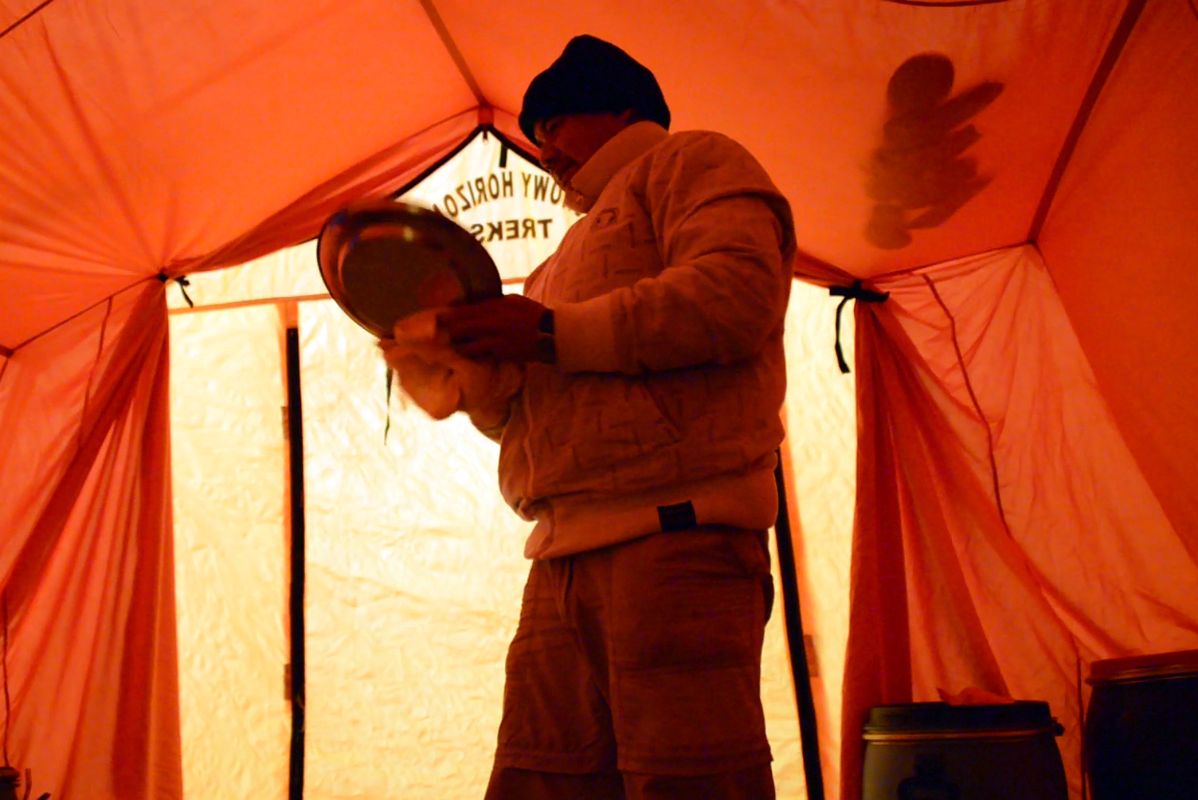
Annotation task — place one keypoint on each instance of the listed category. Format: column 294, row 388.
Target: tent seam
column 908, row 271
column 218, row 257
column 1102, row 74
column 79, row 313
column 91, row 374
column 977, row 406
column 24, row 19
column 484, row 130
column 440, row 162
column 451, row 46
column 92, row 143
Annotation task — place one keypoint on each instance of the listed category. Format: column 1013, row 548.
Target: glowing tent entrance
column 413, row 562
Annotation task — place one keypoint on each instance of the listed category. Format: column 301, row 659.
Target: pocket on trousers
column 690, row 599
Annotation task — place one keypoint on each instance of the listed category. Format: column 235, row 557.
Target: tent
column 1018, row 180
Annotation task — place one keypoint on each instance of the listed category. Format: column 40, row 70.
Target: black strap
column 183, row 284
column 855, row 292
column 387, row 427
column 678, row 517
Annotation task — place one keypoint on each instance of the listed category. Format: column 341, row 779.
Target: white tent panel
column 414, row 563
column 228, row 451
column 819, row 457
column 510, row 204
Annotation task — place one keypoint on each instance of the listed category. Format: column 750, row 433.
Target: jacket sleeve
column 726, row 241
column 490, row 419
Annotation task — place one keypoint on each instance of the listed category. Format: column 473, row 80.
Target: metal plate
column 384, row 260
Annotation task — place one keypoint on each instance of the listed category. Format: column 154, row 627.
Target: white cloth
column 440, row 381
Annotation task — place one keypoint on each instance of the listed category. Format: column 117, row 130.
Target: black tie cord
column 855, row 292
column 387, row 427
column 183, row 284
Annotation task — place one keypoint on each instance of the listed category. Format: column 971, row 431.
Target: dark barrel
column 1141, row 737
column 935, row 751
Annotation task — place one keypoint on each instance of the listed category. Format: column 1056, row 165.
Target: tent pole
column 795, row 640
column 296, row 682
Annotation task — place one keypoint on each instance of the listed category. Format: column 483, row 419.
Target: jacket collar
column 635, row 140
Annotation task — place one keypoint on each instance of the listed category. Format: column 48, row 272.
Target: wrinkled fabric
column 86, row 559
column 976, row 406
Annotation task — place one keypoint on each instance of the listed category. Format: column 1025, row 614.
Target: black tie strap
column 855, row 292
column 183, row 284
column 387, row 427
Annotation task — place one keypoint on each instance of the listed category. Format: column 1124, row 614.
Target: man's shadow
column 918, row 177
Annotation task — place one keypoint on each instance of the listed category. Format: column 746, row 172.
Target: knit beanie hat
column 592, row 75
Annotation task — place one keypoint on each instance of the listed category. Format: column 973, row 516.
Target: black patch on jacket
column 678, row 517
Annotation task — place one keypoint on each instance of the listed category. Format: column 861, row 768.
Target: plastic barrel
column 934, row 751
column 1141, row 737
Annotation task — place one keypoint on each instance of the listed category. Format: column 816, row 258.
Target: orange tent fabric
column 1026, row 397
column 1001, row 518
column 87, row 562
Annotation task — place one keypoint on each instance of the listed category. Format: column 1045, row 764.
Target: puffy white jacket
column 669, row 298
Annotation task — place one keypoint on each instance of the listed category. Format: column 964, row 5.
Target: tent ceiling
column 804, row 86
column 174, row 123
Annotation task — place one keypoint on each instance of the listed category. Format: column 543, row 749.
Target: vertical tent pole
column 795, row 640
column 295, row 448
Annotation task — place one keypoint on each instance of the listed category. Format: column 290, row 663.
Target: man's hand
column 507, row 328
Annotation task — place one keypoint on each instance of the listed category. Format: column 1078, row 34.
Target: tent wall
column 804, row 87
column 229, row 465
column 414, row 580
column 86, row 557
column 1121, row 242
column 999, row 508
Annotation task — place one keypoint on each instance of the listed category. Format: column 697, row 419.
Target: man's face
column 568, row 141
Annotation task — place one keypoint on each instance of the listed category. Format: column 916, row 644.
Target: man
column 643, row 444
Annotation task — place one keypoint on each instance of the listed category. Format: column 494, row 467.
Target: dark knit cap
column 592, row 75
